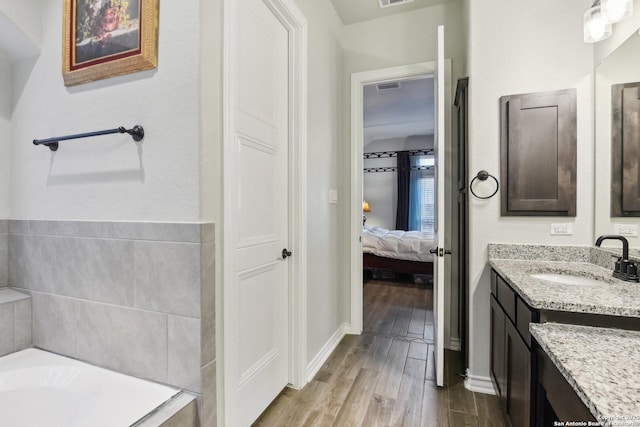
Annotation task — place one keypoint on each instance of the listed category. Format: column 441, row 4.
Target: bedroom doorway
column 436, row 74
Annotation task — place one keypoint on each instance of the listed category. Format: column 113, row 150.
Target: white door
column 438, row 270
column 256, row 350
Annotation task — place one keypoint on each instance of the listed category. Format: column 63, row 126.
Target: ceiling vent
column 388, row 3
column 390, row 85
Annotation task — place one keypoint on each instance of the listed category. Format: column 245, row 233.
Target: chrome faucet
column 624, row 269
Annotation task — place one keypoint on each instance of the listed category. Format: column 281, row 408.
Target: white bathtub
column 38, row 388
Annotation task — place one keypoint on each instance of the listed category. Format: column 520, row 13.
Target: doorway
column 358, row 82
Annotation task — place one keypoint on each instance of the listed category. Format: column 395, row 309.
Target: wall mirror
column 622, row 66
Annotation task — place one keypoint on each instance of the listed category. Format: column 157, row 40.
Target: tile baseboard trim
column 314, row 366
column 184, row 232
column 479, row 384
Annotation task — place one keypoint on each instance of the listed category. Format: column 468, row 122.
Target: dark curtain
column 404, row 177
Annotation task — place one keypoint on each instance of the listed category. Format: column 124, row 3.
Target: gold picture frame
column 108, row 38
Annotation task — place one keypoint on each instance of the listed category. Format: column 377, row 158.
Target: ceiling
column 399, row 113
column 352, row 11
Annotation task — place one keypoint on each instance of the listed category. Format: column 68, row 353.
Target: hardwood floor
column 385, row 377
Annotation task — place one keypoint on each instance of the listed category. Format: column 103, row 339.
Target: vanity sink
column 567, row 279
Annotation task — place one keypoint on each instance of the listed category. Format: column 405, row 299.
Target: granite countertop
column 612, row 296
column 602, row 365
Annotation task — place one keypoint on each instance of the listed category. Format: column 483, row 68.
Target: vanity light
column 617, row 10
column 596, row 25
column 603, row 13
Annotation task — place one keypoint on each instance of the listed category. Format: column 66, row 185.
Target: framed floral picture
column 107, row 38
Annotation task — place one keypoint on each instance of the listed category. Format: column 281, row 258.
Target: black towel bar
column 137, row 133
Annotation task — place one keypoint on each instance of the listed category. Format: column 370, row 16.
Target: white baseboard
column 314, row 366
column 479, row 384
column 454, row 344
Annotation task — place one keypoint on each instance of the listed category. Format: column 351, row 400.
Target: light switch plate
column 333, row 196
column 627, row 230
column 565, row 228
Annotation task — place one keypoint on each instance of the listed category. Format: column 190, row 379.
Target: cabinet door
column 518, row 378
column 625, row 144
column 538, row 150
column 498, row 351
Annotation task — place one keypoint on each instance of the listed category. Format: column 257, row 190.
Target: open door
column 440, row 251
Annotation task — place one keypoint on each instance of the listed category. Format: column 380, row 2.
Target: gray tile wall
column 134, row 297
column 4, row 253
column 15, row 321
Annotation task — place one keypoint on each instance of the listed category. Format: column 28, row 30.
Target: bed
column 398, row 251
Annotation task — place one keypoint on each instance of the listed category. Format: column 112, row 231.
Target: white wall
column 326, row 308
column 405, row 38
column 380, row 189
column 26, row 14
column 20, row 28
column 109, row 177
column 211, row 112
column 5, row 132
column 537, row 46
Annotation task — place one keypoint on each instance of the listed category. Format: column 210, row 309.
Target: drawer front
column 524, row 316
column 506, row 298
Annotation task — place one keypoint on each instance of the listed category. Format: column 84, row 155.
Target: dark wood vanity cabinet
column 530, row 389
column 555, row 399
column 512, row 367
column 497, row 348
column 518, row 378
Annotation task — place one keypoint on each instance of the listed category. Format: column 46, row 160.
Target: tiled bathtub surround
column 134, row 297
column 15, row 321
column 4, row 253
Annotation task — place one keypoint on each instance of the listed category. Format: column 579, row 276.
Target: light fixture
column 603, row 13
column 387, row 3
column 596, row 25
column 365, row 208
column 617, row 10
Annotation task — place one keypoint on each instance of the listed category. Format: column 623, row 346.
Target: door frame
column 358, row 81
column 296, row 25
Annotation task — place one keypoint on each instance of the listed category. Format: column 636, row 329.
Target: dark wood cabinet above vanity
column 538, row 154
column 625, row 150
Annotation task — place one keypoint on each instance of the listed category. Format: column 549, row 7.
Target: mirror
column 622, row 66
